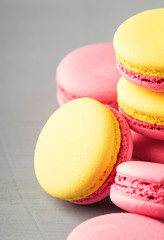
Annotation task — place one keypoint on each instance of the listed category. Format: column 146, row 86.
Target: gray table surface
column 35, row 36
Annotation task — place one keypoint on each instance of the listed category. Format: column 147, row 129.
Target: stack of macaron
column 139, row 47
column 86, row 150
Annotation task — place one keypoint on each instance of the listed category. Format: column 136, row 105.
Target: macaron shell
column 89, row 71
column 63, row 97
column 152, row 172
column 148, row 82
column 138, row 43
column 147, row 129
column 137, row 206
column 125, row 153
column 77, row 149
column 119, row 226
column 147, row 149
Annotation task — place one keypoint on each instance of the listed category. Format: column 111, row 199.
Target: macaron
column 138, row 43
column 119, row 226
column 147, row 149
column 89, row 71
column 139, row 188
column 78, row 150
column 142, row 108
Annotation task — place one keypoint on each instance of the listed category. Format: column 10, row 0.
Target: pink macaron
column 139, row 188
column 147, row 149
column 89, row 71
column 119, row 226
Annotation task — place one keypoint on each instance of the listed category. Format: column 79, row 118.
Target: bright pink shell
column 147, row 129
column 149, row 82
column 89, row 71
column 124, row 154
column 119, row 226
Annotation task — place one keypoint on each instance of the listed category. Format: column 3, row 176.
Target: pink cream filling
column 139, row 189
column 124, row 154
column 139, row 77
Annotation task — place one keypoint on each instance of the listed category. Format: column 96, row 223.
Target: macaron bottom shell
column 145, row 81
column 137, row 206
column 64, row 97
column 147, row 129
column 124, row 154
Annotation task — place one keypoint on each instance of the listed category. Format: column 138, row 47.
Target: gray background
column 35, row 36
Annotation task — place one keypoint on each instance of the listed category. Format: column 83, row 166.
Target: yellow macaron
column 139, row 46
column 142, row 108
column 77, row 150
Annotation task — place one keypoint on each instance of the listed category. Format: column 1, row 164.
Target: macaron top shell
column 119, row 226
column 140, row 103
column 90, row 71
column 77, row 149
column 139, row 44
column 148, row 171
